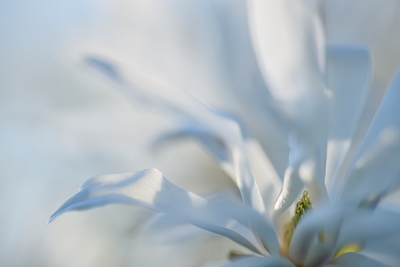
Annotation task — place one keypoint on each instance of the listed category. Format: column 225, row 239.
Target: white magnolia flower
column 318, row 93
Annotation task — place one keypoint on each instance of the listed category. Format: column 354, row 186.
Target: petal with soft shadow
column 163, row 96
column 288, row 39
column 289, row 42
column 264, row 172
column 325, row 220
column 368, row 225
column 306, row 168
column 355, row 260
column 376, row 168
column 386, row 250
column 254, row 261
column 150, row 189
column 347, row 77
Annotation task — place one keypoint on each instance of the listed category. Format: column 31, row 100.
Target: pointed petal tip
column 103, row 65
column 51, row 219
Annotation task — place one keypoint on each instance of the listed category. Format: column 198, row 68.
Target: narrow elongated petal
column 205, row 135
column 263, row 230
column 150, row 189
column 289, row 42
column 264, row 173
column 376, row 167
column 288, row 39
column 305, row 168
column 161, row 95
column 253, row 261
column 347, row 77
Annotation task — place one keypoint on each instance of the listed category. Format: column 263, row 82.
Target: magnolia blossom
column 325, row 210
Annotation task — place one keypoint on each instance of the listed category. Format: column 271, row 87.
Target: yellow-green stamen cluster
column 302, row 207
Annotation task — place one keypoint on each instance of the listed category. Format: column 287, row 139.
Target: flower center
column 302, row 206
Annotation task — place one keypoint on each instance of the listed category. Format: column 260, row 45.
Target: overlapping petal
column 255, row 261
column 289, row 41
column 375, row 168
column 369, row 225
column 306, row 246
column 347, row 77
column 203, row 123
column 386, row 250
column 355, row 260
column 150, row 189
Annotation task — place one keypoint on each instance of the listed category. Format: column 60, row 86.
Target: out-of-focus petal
column 376, row 168
column 264, row 173
column 163, row 96
column 255, row 261
column 355, row 260
column 347, row 76
column 150, row 189
column 386, row 251
column 213, row 143
column 261, row 229
column 368, row 225
column 288, row 39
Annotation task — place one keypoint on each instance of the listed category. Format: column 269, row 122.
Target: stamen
column 302, row 207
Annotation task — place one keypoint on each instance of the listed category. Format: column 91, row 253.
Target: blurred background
column 60, row 124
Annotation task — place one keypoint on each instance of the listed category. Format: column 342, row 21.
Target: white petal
column 326, row 218
column 163, row 96
column 150, row 189
column 262, row 229
column 368, row 225
column 247, row 261
column 386, row 251
column 355, row 260
column 264, row 172
column 347, row 74
column 292, row 186
column 288, row 40
column 375, row 168
column 217, row 147
column 306, row 167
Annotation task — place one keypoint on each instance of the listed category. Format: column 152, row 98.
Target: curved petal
column 347, row 77
column 150, row 189
column 355, row 260
column 325, row 220
column 306, row 167
column 254, row 261
column 161, row 95
column 386, row 251
column 213, row 143
column 375, row 168
column 369, row 225
column 288, row 39
column 264, row 173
